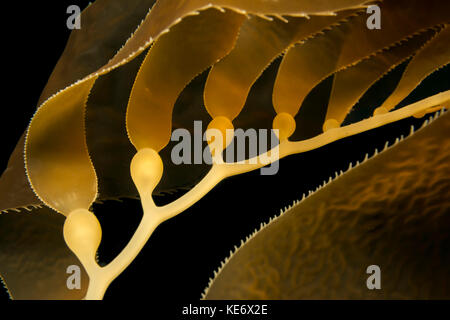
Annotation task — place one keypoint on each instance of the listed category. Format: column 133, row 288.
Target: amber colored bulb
column 285, row 124
column 83, row 234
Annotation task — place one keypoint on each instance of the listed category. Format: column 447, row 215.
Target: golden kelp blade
column 288, row 7
column 433, row 56
column 34, row 258
column 230, row 80
column 85, row 57
column 176, row 58
column 57, row 160
column 350, row 84
column 166, row 13
column 105, row 28
column 260, row 42
column 320, row 248
column 307, row 64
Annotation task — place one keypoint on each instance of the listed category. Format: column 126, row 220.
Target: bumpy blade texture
column 321, row 247
column 34, row 258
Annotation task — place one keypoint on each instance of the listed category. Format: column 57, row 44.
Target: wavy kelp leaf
column 260, row 42
column 106, row 25
column 190, row 47
column 350, row 84
column 105, row 28
column 167, row 13
column 431, row 57
column 107, row 140
column 289, row 7
column 34, row 257
column 307, row 64
column 320, row 248
column 15, row 190
column 57, row 160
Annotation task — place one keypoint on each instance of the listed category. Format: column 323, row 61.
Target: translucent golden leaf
column 57, row 160
column 165, row 14
column 190, row 47
column 307, row 64
column 260, row 42
column 431, row 57
column 105, row 30
column 350, row 84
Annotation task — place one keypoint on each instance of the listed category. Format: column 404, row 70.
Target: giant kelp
column 79, row 145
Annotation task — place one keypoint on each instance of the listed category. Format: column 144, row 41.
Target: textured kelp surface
column 391, row 211
column 34, row 257
column 81, row 117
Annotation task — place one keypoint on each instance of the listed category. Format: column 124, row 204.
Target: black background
column 182, row 254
